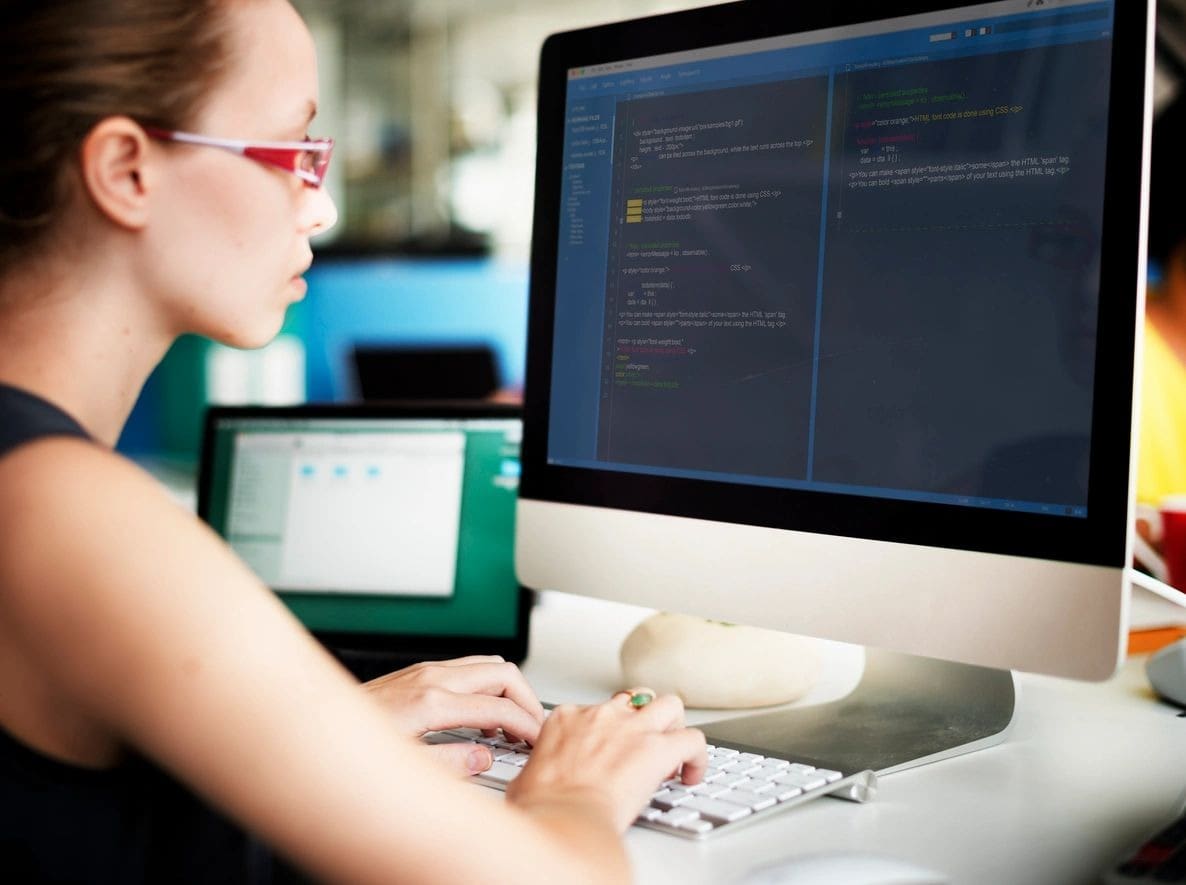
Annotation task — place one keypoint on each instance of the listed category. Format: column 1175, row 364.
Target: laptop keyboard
column 738, row 787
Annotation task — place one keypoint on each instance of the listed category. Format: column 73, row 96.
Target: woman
column 135, row 649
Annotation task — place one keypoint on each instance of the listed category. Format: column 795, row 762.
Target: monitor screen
column 836, row 307
column 372, row 522
column 902, row 257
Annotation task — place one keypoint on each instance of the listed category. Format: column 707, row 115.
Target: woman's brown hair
column 65, row 65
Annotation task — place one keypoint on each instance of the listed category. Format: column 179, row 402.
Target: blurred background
column 421, row 288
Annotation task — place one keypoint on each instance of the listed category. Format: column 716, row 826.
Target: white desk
column 1087, row 771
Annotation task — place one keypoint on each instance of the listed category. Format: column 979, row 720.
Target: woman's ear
column 114, row 158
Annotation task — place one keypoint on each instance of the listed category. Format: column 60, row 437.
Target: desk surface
column 1088, row 770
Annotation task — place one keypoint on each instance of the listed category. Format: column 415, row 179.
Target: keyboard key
column 768, row 771
column 667, row 799
column 740, row 767
column 783, row 792
column 733, row 780
column 678, row 816
column 803, row 781
column 715, row 810
column 712, row 791
column 502, row 772
column 699, row 825
column 752, row 801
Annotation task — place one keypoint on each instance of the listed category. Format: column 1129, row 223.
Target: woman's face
column 227, row 251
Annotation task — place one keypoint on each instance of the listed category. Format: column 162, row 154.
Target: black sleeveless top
column 66, row 823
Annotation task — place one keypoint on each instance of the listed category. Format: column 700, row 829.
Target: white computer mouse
column 1167, row 672
column 843, row 868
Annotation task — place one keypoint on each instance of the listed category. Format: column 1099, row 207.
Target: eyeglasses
column 308, row 159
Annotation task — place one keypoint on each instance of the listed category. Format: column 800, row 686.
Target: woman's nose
column 318, row 213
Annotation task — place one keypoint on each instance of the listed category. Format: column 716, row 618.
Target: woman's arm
column 152, row 626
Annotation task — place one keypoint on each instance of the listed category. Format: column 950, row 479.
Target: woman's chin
column 251, row 337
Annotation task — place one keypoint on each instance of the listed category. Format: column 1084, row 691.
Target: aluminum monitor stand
column 906, row 711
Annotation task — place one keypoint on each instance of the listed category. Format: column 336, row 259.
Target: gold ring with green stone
column 640, row 697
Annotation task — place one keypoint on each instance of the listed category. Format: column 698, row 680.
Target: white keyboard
column 738, row 787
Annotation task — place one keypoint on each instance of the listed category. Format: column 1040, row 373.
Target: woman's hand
column 480, row 691
column 612, row 755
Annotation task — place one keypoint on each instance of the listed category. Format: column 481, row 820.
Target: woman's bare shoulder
column 49, row 459
column 63, row 496
column 60, row 480
column 135, row 609
column 96, row 555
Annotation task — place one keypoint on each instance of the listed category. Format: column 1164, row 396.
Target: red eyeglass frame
column 286, row 155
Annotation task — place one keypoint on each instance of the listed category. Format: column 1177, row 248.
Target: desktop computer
column 832, row 326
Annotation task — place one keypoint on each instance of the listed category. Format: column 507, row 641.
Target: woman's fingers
column 615, row 749
column 498, row 679
column 481, row 675
column 416, row 694
column 446, row 709
column 464, row 758
column 690, row 746
column 662, row 714
column 464, row 661
column 665, row 714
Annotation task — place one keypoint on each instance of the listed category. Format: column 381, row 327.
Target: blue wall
column 409, row 302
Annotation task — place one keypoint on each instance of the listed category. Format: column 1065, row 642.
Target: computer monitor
column 387, row 372
column 833, row 316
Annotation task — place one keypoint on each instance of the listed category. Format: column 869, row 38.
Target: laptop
column 387, row 529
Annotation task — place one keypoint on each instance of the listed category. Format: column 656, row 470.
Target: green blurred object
column 166, row 423
column 183, row 397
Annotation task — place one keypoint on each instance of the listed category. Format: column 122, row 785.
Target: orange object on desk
column 1150, row 640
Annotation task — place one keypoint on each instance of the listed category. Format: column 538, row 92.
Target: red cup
column 1167, row 531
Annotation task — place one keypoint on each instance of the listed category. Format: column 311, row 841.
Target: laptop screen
column 371, row 523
